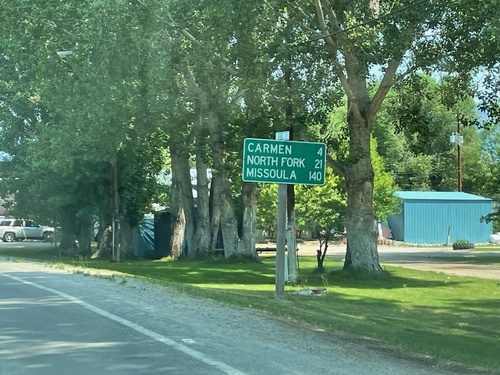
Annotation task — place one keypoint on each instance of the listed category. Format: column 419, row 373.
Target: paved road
column 57, row 322
column 44, row 330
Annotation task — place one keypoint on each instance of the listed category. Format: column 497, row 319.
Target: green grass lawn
column 449, row 318
column 486, row 248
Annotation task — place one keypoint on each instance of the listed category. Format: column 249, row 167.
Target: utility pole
column 457, row 139
column 459, row 156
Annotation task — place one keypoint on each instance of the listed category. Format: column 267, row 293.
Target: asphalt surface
column 59, row 322
column 56, row 321
column 45, row 330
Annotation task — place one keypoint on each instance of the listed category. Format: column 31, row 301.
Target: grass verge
column 451, row 319
column 489, row 247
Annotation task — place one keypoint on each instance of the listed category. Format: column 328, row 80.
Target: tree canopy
column 97, row 99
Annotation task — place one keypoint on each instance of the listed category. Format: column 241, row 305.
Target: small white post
column 281, row 230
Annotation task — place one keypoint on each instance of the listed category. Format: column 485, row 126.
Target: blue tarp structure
column 151, row 238
column 143, row 239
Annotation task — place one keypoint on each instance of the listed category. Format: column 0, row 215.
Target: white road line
column 136, row 327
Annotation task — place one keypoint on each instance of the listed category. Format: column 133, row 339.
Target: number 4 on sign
column 320, row 152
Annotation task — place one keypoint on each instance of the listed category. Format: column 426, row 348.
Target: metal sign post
column 283, row 162
column 280, row 242
column 281, row 230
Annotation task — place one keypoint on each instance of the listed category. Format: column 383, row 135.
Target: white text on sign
column 289, row 162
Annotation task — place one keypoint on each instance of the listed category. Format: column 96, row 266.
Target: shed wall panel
column 428, row 221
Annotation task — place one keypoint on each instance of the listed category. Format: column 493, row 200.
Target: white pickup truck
column 20, row 229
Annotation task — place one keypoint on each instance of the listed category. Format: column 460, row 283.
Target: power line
column 372, row 20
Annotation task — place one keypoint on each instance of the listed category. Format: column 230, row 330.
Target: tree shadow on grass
column 206, row 272
column 434, row 326
column 221, row 271
column 387, row 279
column 475, row 305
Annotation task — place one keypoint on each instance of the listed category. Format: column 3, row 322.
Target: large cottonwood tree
column 88, row 111
column 366, row 37
column 223, row 68
column 224, row 57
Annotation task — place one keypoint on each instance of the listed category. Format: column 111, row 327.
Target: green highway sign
column 284, row 162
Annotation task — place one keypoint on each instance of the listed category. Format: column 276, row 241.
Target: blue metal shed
column 429, row 217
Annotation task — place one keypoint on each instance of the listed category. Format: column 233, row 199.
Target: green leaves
column 65, row 118
column 321, row 208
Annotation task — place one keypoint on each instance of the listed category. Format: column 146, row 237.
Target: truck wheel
column 47, row 236
column 9, row 237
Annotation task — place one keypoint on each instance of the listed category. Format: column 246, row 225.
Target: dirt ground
column 421, row 258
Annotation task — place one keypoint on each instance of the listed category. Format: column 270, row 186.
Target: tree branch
column 196, row 42
column 322, row 24
column 384, row 87
column 389, row 77
column 339, row 68
column 240, row 93
column 193, row 87
column 337, row 167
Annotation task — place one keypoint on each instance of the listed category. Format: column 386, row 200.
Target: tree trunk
column 85, row 234
column 115, row 242
column 228, row 222
column 125, row 240
column 321, row 252
column 178, row 219
column 202, row 230
column 105, row 243
column 353, row 69
column 68, row 244
column 250, row 195
column 104, row 225
column 223, row 203
column 181, row 182
column 214, row 217
column 202, row 234
column 361, row 223
column 178, row 229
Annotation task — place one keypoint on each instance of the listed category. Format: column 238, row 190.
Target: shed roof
column 439, row 195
